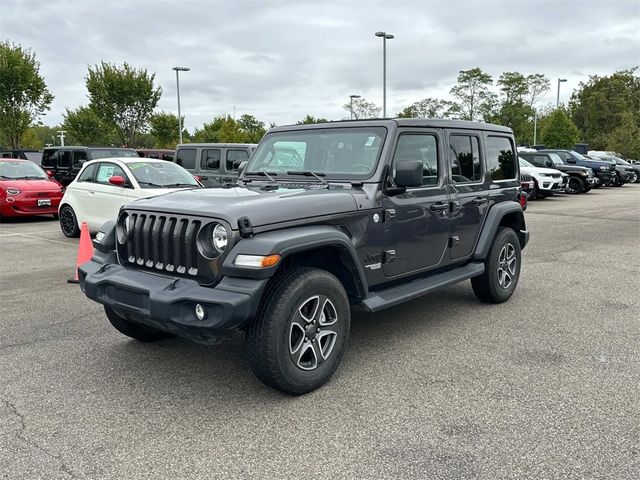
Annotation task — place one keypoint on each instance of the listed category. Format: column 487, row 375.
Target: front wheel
column 69, row 222
column 576, row 185
column 502, row 269
column 299, row 336
column 633, row 178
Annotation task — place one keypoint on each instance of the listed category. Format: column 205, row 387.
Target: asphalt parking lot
column 544, row 386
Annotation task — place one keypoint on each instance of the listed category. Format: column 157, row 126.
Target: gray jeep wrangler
column 323, row 219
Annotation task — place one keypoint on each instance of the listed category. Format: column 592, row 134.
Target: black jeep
column 365, row 215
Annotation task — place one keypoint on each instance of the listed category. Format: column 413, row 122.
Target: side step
column 390, row 297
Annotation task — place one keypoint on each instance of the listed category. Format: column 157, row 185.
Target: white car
column 105, row 185
column 546, row 180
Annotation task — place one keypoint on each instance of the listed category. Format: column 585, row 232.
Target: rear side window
column 48, row 159
column 88, row 173
column 421, row 147
column 79, row 157
column 235, row 158
column 186, row 158
column 501, row 160
column 211, row 159
column 465, row 159
column 64, row 158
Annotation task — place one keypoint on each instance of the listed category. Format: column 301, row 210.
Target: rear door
column 64, row 172
column 417, row 221
column 186, row 158
column 211, row 172
column 469, row 191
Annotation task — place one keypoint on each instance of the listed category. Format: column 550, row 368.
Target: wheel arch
column 505, row 214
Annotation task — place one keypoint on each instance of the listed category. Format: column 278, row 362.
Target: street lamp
column 351, row 97
column 385, row 36
column 560, row 80
column 61, row 136
column 179, row 69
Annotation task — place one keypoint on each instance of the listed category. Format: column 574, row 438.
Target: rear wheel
column 299, row 336
column 135, row 330
column 502, row 269
column 69, row 222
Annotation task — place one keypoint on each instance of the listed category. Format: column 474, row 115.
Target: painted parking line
column 18, row 233
column 38, row 238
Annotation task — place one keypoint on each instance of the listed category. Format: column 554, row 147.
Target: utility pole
column 61, row 136
column 560, row 80
column 385, row 36
column 351, row 97
column 179, row 69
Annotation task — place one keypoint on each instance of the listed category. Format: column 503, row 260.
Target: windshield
column 35, row 157
column 338, row 153
column 112, row 153
column 555, row 158
column 21, row 170
column 577, row 156
column 622, row 162
column 161, row 175
column 524, row 163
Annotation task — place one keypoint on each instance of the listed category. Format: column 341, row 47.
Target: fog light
column 200, row 312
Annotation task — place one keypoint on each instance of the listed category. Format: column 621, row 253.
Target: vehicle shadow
column 29, row 219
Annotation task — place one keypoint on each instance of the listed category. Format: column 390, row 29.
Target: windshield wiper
column 318, row 176
column 29, row 177
column 264, row 174
column 151, row 184
column 172, row 185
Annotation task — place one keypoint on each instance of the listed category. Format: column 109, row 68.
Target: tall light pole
column 385, row 36
column 179, row 69
column 560, row 80
column 61, row 136
column 351, row 97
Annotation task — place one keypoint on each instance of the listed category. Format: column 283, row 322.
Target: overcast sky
column 280, row 60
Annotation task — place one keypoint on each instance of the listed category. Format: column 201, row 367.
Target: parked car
column 623, row 173
column 25, row 189
column 580, row 180
column 526, row 183
column 159, row 153
column 546, row 181
column 34, row 156
column 103, row 186
column 371, row 218
column 605, row 170
column 630, row 172
column 213, row 163
column 64, row 163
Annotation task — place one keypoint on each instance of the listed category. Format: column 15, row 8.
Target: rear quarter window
column 501, row 159
column 186, row 158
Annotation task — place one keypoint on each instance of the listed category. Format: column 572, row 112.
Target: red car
column 25, row 189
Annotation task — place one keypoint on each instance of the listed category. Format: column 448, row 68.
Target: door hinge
column 389, row 214
column 389, row 256
column 454, row 241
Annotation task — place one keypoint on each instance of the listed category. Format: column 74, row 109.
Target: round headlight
column 127, row 225
column 220, row 238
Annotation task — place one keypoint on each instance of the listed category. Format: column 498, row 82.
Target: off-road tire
column 69, row 222
column 486, row 286
column 269, row 335
column 141, row 333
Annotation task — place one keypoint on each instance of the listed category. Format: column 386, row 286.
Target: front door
column 210, row 167
column 107, row 199
column 233, row 158
column 417, row 221
column 469, row 191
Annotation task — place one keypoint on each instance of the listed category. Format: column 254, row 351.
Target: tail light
column 522, row 200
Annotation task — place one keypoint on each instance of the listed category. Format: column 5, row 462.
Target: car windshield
column 21, row 170
column 112, row 153
column 161, row 175
column 577, row 156
column 555, row 158
column 35, row 157
column 335, row 153
column 524, row 163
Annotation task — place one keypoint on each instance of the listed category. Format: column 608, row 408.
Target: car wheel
column 502, row 269
column 633, row 178
column 69, row 222
column 135, row 330
column 299, row 336
column 534, row 191
column 576, row 185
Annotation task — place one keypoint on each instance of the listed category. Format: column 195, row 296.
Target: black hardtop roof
column 401, row 122
column 82, row 147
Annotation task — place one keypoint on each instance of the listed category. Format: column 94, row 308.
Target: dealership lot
column 546, row 385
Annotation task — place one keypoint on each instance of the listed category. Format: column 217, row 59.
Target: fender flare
column 490, row 227
column 290, row 241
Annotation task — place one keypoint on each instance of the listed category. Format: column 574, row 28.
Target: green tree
column 252, row 128
column 537, row 85
column 309, row 119
column 625, row 138
column 559, row 131
column 362, row 109
column 24, row 95
column 472, row 91
column 209, row 131
column 123, row 97
column 599, row 106
column 87, row 128
column 165, row 129
column 428, row 108
column 230, row 132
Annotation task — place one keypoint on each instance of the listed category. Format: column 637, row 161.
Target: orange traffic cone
column 85, row 250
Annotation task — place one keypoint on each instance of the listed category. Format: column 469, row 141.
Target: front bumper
column 22, row 206
column 168, row 303
column 604, row 177
column 550, row 184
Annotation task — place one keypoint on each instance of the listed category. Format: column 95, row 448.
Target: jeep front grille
column 166, row 243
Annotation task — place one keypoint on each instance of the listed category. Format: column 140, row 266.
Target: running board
column 390, row 297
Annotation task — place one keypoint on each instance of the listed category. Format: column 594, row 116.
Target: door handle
column 91, row 192
column 438, row 207
column 480, row 201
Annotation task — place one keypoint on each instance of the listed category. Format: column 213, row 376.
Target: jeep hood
column 262, row 206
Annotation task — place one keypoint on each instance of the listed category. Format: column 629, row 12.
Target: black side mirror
column 408, row 173
column 571, row 160
column 242, row 166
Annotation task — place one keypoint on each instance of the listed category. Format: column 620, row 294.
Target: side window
column 464, row 154
column 211, row 159
column 501, row 160
column 186, row 158
column 64, row 158
column 421, row 147
column 235, row 158
column 48, row 159
column 107, row 170
column 79, row 157
column 539, row 160
column 88, row 173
